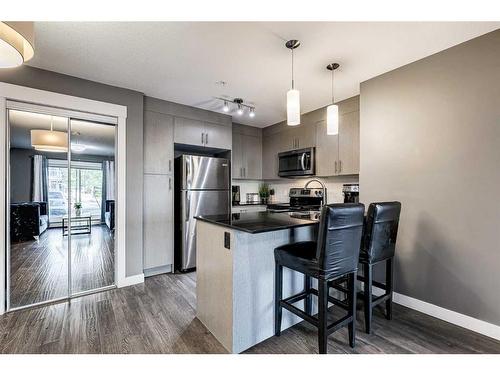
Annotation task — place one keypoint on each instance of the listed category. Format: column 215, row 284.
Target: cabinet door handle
column 206, row 138
column 241, row 172
column 170, row 183
column 340, row 166
column 244, row 172
column 170, row 165
column 202, row 141
column 335, row 166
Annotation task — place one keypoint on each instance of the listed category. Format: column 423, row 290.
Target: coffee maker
column 235, row 194
column 351, row 193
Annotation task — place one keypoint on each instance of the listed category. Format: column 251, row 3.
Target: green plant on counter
column 264, row 191
column 77, row 205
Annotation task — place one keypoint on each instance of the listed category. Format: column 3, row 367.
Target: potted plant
column 78, row 208
column 264, row 192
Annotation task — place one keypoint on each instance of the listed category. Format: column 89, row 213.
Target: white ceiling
column 99, row 139
column 182, row 61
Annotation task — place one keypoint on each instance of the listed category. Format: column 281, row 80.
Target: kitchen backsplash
column 281, row 187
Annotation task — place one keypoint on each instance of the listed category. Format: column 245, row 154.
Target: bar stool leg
column 389, row 282
column 322, row 315
column 367, row 270
column 278, row 296
column 352, row 309
column 308, row 299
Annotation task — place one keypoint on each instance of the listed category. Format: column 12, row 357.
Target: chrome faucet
column 323, row 188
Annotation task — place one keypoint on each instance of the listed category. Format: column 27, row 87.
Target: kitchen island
column 235, row 273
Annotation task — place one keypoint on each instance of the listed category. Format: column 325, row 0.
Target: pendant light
column 292, row 96
column 332, row 111
column 16, row 43
column 49, row 140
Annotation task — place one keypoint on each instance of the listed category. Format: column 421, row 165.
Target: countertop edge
column 253, row 231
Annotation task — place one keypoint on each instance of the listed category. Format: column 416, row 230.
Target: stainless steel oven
column 296, row 163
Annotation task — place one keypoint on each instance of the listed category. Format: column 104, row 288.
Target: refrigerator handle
column 188, row 206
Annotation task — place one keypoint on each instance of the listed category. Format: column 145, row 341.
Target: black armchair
column 109, row 214
column 28, row 220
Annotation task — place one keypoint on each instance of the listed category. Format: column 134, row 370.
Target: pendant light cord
column 292, row 71
column 333, row 102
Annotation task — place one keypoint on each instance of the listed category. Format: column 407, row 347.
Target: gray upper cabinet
column 349, row 143
column 158, row 143
column 189, row 132
column 252, row 157
column 326, row 151
column 246, row 153
column 202, row 133
column 270, row 149
column 218, row 136
column 335, row 154
column 237, row 156
column 339, row 154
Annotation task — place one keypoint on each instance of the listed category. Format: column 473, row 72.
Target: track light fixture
column 240, row 106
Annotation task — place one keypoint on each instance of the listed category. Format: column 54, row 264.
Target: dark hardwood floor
column 39, row 270
column 159, row 317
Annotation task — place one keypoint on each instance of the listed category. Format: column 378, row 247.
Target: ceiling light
column 49, row 140
column 16, row 43
column 226, row 106
column 252, row 113
column 239, row 102
column 292, row 96
column 332, row 111
column 240, row 110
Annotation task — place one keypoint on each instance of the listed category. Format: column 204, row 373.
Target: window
column 86, row 188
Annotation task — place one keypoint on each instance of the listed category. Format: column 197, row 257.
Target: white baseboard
column 453, row 317
column 130, row 280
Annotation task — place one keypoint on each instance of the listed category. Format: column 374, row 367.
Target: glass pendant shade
column 332, row 119
column 16, row 43
column 49, row 140
column 293, row 107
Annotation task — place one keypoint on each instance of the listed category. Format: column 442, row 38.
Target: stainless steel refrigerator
column 203, row 188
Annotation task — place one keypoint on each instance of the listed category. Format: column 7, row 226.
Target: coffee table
column 79, row 225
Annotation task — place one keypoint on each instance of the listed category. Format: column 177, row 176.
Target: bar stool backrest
column 339, row 238
column 382, row 221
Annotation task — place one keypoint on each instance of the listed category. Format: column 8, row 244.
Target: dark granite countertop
column 248, row 204
column 259, row 222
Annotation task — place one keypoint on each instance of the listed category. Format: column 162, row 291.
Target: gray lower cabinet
column 158, row 240
column 201, row 133
column 158, row 143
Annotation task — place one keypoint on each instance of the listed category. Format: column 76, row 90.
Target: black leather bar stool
column 334, row 255
column 378, row 245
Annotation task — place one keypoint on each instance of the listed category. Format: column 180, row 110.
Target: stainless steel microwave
column 296, row 163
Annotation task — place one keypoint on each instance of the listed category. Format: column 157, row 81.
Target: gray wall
column 430, row 138
column 21, row 170
column 133, row 100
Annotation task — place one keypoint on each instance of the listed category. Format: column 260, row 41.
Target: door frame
column 68, row 103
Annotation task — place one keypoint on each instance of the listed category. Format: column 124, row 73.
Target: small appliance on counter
column 253, row 198
column 235, row 194
column 351, row 193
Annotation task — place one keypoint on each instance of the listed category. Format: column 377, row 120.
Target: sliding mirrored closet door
column 38, row 253
column 93, row 205
column 61, row 207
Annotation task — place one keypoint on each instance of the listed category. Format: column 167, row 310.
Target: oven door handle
column 303, row 161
